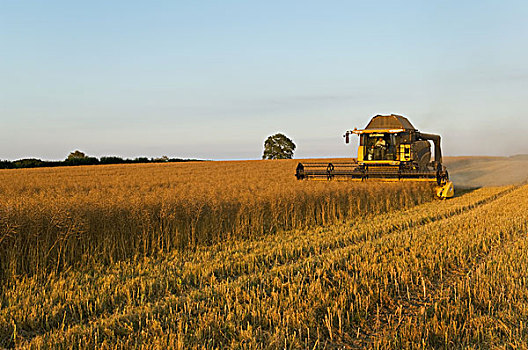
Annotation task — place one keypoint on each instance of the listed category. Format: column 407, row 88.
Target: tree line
column 80, row 158
column 277, row 146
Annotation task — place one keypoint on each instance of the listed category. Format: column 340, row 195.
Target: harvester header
column 390, row 149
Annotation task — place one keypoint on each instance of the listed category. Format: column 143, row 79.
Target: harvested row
column 482, row 302
column 54, row 219
column 207, row 282
column 334, row 296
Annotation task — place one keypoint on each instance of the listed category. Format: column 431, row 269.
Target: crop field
column 51, row 219
column 241, row 255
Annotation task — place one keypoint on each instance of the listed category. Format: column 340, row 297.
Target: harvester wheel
column 299, row 172
column 329, row 171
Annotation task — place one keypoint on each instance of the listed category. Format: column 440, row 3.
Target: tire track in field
column 233, row 279
column 412, row 309
column 271, row 257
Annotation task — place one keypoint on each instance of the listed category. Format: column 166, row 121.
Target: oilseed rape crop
column 241, row 255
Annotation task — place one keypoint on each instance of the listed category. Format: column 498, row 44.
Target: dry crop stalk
column 61, row 216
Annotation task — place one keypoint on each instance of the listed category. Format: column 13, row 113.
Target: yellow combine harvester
column 390, row 149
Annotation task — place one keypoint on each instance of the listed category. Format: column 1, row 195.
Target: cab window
column 380, row 147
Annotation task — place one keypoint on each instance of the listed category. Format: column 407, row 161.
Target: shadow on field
column 462, row 190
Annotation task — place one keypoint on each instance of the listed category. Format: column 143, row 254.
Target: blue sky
column 213, row 79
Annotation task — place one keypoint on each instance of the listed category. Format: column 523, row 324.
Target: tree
column 160, row 159
column 111, row 160
column 79, row 158
column 278, row 146
column 76, row 155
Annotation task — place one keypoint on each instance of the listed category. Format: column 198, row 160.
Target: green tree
column 161, row 159
column 79, row 158
column 76, row 155
column 278, row 146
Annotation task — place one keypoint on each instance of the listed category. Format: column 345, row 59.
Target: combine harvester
column 390, row 149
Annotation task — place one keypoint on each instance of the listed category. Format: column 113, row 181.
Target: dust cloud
column 487, row 171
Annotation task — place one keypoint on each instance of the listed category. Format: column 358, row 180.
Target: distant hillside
column 487, row 171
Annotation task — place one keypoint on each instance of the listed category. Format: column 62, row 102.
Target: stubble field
column 241, row 255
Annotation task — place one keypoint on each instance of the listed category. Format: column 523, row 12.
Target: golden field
column 242, row 255
column 53, row 218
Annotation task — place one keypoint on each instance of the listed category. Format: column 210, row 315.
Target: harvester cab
column 390, row 149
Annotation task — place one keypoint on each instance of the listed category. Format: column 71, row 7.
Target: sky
column 213, row 79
